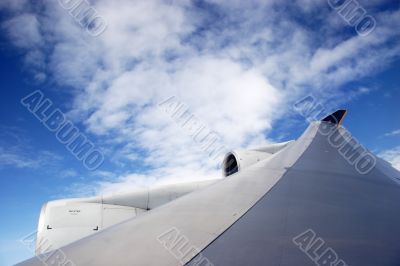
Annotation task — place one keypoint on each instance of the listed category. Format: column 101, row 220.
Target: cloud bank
column 237, row 65
column 392, row 156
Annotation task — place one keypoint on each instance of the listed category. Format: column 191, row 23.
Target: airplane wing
column 322, row 199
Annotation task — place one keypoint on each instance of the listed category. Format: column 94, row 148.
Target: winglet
column 336, row 117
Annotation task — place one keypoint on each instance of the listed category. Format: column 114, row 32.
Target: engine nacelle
column 62, row 222
column 238, row 160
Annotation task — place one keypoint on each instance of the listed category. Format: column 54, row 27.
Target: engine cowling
column 62, row 222
column 238, row 160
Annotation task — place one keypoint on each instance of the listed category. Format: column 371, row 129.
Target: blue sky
column 238, row 67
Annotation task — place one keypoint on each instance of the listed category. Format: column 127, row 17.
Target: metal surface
column 62, row 222
column 251, row 217
column 356, row 215
column 200, row 216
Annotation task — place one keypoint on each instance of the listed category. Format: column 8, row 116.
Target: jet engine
column 238, row 160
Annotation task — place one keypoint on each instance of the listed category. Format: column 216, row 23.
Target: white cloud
column 392, row 156
column 67, row 173
column 24, row 31
column 10, row 158
column 16, row 151
column 22, row 158
column 393, row 133
column 14, row 5
column 237, row 66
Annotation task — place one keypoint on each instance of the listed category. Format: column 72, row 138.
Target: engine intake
column 238, row 160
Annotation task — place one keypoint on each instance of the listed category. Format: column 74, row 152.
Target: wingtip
column 336, row 117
